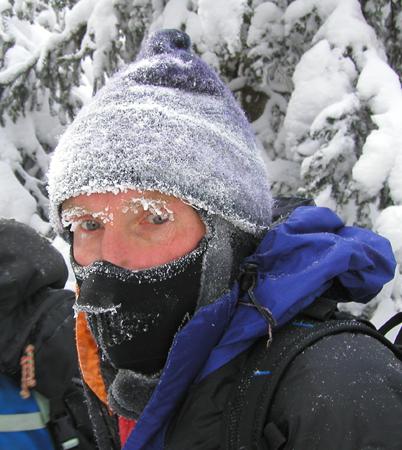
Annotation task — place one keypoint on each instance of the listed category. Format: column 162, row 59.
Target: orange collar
column 88, row 356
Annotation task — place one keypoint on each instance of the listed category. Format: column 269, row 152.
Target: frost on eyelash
column 69, row 213
column 157, row 207
column 68, row 216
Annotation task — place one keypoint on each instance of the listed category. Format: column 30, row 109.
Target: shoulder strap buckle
column 62, row 428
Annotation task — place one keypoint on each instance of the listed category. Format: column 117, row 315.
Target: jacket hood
column 28, row 263
column 296, row 262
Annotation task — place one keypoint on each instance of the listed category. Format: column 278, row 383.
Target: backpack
column 251, row 400
column 36, row 422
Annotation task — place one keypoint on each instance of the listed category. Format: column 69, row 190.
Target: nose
column 114, row 248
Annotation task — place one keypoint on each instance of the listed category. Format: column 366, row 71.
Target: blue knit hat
column 165, row 123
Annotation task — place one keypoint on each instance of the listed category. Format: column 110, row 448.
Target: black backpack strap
column 245, row 416
column 389, row 325
column 61, row 426
column 398, row 340
column 69, row 422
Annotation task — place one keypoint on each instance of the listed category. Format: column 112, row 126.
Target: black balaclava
column 134, row 315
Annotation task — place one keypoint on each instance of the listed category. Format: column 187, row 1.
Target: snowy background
column 319, row 79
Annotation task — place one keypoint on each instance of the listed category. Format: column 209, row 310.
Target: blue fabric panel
column 26, row 440
column 312, row 248
column 12, row 403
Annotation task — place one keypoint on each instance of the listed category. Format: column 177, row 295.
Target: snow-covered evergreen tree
column 319, row 79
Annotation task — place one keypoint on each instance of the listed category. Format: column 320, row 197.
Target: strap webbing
column 43, row 405
column 21, row 422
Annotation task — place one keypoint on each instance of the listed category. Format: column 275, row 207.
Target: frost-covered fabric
column 134, row 315
column 297, row 262
column 165, row 123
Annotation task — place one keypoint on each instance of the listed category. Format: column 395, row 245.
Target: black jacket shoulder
column 344, row 392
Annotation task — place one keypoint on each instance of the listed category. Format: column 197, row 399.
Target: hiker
column 41, row 395
column 186, row 268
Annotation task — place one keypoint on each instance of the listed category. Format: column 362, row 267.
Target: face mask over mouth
column 134, row 315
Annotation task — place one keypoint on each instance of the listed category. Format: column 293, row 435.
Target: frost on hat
column 166, row 123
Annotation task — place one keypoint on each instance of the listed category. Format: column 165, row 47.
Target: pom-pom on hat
column 165, row 123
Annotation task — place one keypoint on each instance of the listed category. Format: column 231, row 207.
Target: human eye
column 157, row 219
column 89, row 225
column 78, row 219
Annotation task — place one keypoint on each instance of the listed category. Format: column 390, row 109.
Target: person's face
column 134, row 230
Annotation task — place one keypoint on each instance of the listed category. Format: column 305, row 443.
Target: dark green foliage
column 385, row 16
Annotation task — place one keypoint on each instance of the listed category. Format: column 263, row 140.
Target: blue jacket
column 297, row 261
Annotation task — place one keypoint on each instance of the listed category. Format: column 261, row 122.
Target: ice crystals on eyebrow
column 104, row 216
column 70, row 217
column 156, row 207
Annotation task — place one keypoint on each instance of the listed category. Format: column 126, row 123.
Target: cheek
column 188, row 237
column 152, row 235
column 166, row 245
column 85, row 249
